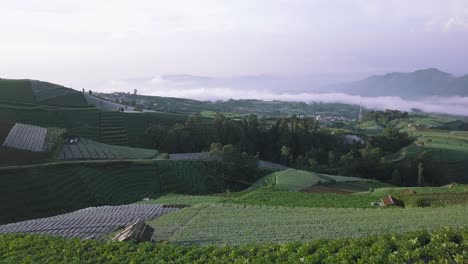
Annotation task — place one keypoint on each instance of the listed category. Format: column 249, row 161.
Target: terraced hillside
column 93, row 222
column 40, row 93
column 104, row 104
column 53, row 94
column 42, row 190
column 112, row 129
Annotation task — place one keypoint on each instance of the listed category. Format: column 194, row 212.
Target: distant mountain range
column 413, row 85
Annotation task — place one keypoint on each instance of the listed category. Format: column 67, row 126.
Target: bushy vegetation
column 383, row 118
column 440, row 246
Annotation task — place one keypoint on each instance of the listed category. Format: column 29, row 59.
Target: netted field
column 93, row 222
column 239, row 224
column 87, row 149
column 26, row 137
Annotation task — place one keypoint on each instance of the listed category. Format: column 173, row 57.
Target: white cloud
column 456, row 24
column 161, row 87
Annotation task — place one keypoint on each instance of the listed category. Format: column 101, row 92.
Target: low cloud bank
column 434, row 104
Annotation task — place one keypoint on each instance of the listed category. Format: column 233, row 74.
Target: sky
column 107, row 45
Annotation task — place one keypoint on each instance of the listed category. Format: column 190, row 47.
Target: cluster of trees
column 296, row 142
column 366, row 161
column 290, row 141
column 421, row 171
column 240, row 165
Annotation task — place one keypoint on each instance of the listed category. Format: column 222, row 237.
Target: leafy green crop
column 442, row 246
column 301, row 199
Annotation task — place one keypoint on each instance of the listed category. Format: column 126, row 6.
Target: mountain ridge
column 408, row 85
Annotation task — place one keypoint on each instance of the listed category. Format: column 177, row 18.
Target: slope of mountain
column 414, row 85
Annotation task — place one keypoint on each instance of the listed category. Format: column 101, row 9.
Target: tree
column 216, row 149
column 420, row 174
column 396, row 178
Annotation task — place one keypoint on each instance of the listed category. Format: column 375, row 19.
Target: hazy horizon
column 297, row 46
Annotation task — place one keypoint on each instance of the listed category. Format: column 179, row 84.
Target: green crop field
column 16, row 91
column 241, row 224
column 370, row 127
column 301, row 199
column 441, row 246
column 44, row 190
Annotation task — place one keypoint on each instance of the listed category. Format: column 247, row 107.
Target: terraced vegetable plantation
column 113, row 129
column 92, row 222
column 26, row 137
column 239, row 224
column 87, row 149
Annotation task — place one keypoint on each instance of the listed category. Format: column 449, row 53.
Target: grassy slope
column 295, row 180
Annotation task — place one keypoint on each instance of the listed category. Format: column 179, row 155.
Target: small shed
column 137, row 232
column 389, row 201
